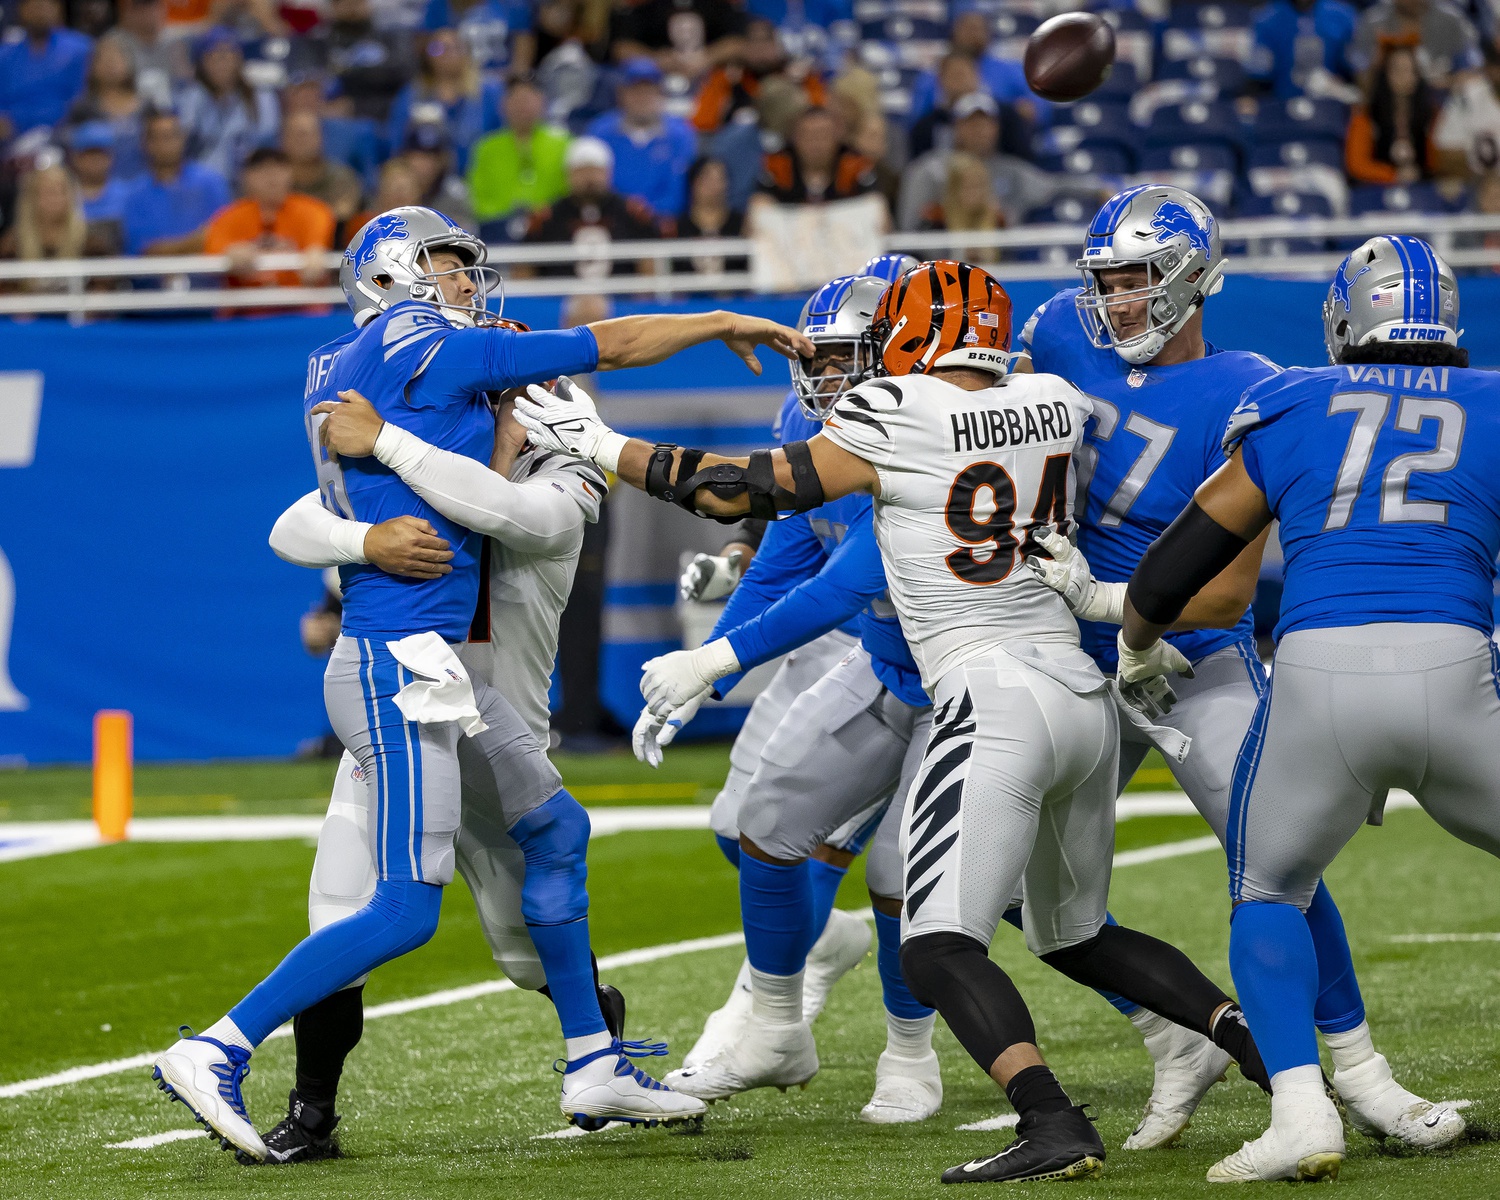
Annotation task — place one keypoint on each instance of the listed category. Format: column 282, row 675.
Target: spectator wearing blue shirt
column 652, row 151
column 1298, row 41
column 167, row 209
column 110, row 96
column 225, row 118
column 42, row 66
column 448, row 91
column 497, row 32
column 1002, row 78
column 91, row 154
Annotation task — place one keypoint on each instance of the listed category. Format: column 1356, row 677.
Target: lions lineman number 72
column 981, row 511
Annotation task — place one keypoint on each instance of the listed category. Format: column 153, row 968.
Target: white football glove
column 1152, row 697
column 1159, row 658
column 671, row 680
column 711, row 576
column 653, row 734
column 1067, row 572
column 567, row 422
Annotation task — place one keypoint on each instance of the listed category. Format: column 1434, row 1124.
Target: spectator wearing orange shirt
column 1389, row 138
column 270, row 217
column 817, row 165
column 734, row 87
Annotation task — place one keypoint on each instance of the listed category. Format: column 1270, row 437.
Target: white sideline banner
column 800, row 246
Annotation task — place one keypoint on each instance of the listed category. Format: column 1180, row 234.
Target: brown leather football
column 1069, row 56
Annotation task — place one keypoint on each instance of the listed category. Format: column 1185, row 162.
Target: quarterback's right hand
column 567, row 421
column 1159, row 658
column 653, row 734
column 408, row 546
column 711, row 576
column 1067, row 573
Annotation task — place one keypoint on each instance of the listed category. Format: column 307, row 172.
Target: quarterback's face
column 1126, row 314
column 452, row 278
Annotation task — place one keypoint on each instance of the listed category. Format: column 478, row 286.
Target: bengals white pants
column 1015, row 796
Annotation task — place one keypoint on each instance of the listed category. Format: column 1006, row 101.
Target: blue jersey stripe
column 1245, row 768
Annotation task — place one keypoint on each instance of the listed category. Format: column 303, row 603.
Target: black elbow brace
column 728, row 480
column 1180, row 564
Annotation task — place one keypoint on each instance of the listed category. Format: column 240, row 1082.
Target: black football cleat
column 1054, row 1145
column 612, row 1005
column 304, row 1135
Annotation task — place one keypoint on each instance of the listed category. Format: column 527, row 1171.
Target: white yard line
column 1003, row 1121
column 36, row 839
column 157, row 1139
column 1427, row 939
column 490, row 987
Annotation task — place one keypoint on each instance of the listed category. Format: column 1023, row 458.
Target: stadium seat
column 1214, row 188
column 1106, row 121
column 1318, row 178
column 1285, row 204
column 1135, row 40
column 1299, row 153
column 1164, row 92
column 1196, row 121
column 902, row 20
column 1008, row 23
column 1417, row 197
column 1094, row 159
column 1226, row 74
column 1191, row 156
column 1300, row 118
column 1066, row 210
column 1122, row 82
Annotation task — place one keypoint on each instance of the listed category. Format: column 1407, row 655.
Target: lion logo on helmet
column 387, row 227
column 1342, row 282
column 1173, row 218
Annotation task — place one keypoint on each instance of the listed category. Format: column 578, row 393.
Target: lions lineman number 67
column 981, row 511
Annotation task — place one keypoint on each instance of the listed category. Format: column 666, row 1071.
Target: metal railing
column 177, row 283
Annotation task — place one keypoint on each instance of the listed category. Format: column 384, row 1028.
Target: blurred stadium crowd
column 152, row 127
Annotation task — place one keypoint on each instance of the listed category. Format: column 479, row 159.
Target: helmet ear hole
column 381, row 281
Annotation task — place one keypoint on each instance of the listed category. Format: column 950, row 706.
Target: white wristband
column 607, row 455
column 716, row 659
column 1106, row 604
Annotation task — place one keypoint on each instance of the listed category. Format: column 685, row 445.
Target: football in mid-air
column 1069, row 56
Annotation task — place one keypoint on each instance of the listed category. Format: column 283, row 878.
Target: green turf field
column 107, row 950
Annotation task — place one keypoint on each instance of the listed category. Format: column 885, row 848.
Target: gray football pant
column 800, row 669
column 1214, row 708
column 1352, row 713
column 343, row 874
column 1015, row 796
column 844, row 749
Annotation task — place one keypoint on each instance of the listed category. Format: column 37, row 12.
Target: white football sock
column 226, row 1031
column 602, row 1067
column 777, row 999
column 1351, row 1048
column 739, row 996
column 1149, row 1023
column 909, row 1037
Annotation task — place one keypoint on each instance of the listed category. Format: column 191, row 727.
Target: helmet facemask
column 837, row 364
column 428, row 281
column 1176, row 285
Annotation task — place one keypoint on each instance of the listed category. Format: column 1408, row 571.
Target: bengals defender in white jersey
column 1017, row 785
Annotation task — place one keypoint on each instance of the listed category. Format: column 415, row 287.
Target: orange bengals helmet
column 943, row 314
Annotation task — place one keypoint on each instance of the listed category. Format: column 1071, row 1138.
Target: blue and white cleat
column 606, row 1086
column 206, row 1075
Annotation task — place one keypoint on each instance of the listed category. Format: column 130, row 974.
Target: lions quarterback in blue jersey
column 399, row 697
column 1132, row 339
column 1381, row 470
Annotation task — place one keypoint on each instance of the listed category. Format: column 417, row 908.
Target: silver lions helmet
column 1173, row 236
column 1391, row 289
column 390, row 260
column 836, row 319
column 890, row 267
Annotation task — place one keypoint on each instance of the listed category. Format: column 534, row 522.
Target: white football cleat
column 765, row 1055
column 606, row 1086
column 1187, row 1065
column 1305, row 1142
column 1380, row 1107
column 906, row 1090
column 724, row 1025
column 205, row 1075
column 845, row 940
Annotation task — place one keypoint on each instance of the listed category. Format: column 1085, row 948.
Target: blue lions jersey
column 1386, row 481
column 817, row 571
column 426, row 376
column 1155, row 435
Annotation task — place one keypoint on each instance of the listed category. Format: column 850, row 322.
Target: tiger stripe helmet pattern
column 943, row 314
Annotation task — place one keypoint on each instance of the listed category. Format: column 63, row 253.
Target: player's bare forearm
column 1224, row 522
column 643, row 340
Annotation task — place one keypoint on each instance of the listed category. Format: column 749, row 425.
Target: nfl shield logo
column 1136, row 378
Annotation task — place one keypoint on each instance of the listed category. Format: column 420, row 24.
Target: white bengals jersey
column 964, row 478
column 512, row 642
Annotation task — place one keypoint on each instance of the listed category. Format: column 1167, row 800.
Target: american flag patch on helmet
column 989, row 318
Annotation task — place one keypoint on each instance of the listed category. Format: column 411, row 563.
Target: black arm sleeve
column 1180, row 564
column 757, row 481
